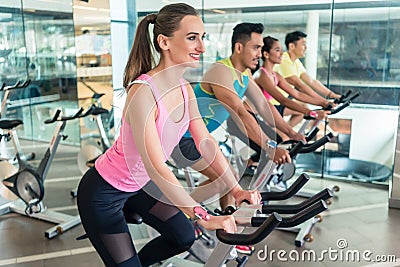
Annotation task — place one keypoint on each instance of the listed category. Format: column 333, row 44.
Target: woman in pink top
column 131, row 177
column 272, row 84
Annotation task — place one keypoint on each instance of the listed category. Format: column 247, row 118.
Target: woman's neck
column 268, row 66
column 169, row 75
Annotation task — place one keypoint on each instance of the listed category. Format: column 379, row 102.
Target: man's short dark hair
column 293, row 37
column 242, row 32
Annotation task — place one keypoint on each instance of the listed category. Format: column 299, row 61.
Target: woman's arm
column 283, row 84
column 140, row 112
column 268, row 85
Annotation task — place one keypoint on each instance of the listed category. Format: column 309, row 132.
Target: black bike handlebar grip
column 328, row 107
column 296, row 219
column 98, row 111
column 317, row 144
column 291, row 191
column 295, row 208
column 54, row 118
column 3, row 85
column 88, row 111
column 354, row 96
column 340, row 108
column 26, row 83
column 77, row 114
column 294, row 150
column 304, row 215
column 264, row 229
column 343, row 98
column 312, row 134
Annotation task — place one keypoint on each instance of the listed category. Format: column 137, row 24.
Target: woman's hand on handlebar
column 226, row 222
column 250, row 196
column 280, row 156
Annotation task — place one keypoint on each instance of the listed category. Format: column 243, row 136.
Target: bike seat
column 9, row 124
column 133, row 218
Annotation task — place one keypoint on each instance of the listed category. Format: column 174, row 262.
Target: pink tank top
column 121, row 165
column 268, row 96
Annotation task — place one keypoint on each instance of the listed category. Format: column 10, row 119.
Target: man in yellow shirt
column 293, row 70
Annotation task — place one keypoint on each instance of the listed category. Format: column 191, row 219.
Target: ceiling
column 95, row 12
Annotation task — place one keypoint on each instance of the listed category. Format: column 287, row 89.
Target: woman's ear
column 266, row 54
column 163, row 42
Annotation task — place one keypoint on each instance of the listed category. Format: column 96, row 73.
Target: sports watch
column 313, row 114
column 201, row 213
column 272, row 144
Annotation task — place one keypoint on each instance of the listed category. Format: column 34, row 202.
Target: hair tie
column 151, row 18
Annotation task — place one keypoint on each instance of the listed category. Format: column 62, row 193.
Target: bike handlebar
column 17, row 85
column 298, row 218
column 291, row 191
column 257, row 236
column 325, row 194
column 57, row 117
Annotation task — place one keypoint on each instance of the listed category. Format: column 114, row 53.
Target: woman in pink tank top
column 131, row 178
column 276, row 89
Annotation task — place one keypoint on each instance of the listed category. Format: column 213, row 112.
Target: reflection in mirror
column 37, row 45
column 94, row 72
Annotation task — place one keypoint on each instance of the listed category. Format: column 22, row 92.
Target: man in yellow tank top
column 293, row 70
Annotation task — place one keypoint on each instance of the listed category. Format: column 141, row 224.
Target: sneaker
column 248, row 250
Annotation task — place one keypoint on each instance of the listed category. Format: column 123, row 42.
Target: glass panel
column 94, row 71
column 350, row 46
column 37, row 43
column 362, row 59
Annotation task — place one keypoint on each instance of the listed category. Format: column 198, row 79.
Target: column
column 123, row 17
column 311, row 58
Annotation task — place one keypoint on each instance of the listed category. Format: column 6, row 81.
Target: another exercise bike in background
column 24, row 187
column 90, row 151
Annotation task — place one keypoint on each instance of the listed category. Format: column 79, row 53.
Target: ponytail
column 140, row 58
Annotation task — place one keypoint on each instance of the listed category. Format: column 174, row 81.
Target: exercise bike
column 267, row 170
column 4, row 154
column 258, row 217
column 89, row 152
column 288, row 169
column 27, row 183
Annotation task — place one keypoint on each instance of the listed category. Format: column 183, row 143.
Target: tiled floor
column 358, row 217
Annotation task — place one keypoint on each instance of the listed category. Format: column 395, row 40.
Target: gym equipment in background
column 27, row 183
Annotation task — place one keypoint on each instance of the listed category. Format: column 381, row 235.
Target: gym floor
column 358, row 223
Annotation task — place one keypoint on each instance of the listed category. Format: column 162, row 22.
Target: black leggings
column 235, row 130
column 101, row 208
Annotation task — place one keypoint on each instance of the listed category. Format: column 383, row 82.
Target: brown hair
column 268, row 43
column 166, row 22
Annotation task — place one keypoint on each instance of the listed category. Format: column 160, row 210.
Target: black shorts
column 185, row 154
